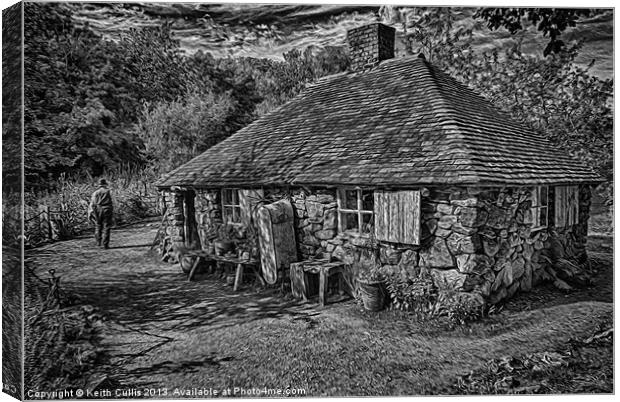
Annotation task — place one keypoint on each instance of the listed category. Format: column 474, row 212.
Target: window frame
column 237, row 215
column 359, row 211
column 537, row 207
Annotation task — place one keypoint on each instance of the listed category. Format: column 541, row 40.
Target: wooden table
column 240, row 263
column 324, row 268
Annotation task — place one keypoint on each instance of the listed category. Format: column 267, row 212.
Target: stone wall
column 316, row 222
column 473, row 239
column 515, row 257
column 175, row 223
column 448, row 239
column 208, row 212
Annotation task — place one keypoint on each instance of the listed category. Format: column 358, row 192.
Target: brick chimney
column 370, row 44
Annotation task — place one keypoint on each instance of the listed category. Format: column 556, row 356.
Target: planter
column 223, row 246
column 372, row 294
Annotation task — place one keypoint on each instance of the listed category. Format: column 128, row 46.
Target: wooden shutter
column 566, row 206
column 397, row 216
column 573, row 203
column 247, row 201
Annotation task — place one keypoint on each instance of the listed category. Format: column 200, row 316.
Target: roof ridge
column 403, row 123
column 432, row 71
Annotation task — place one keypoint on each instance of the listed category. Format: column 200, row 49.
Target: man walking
column 102, row 212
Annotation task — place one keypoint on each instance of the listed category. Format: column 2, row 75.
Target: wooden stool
column 323, row 268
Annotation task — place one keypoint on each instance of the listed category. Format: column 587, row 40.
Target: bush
column 174, row 132
column 68, row 199
column 63, row 339
column 409, row 293
column 430, row 298
column 460, row 307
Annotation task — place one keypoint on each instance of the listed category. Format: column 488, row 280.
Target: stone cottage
column 397, row 166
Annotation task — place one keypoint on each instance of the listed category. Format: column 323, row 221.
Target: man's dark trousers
column 103, row 225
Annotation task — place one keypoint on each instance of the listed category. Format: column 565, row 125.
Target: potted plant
column 371, row 289
column 225, row 239
column 248, row 248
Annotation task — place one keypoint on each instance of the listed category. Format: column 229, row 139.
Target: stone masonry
column 208, row 213
column 473, row 239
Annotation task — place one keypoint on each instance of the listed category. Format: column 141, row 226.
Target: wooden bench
column 324, row 268
column 240, row 264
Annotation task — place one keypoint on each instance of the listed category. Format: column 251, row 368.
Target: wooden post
column 323, row 280
column 238, row 277
column 44, row 221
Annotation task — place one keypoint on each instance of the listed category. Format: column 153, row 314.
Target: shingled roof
column 403, row 123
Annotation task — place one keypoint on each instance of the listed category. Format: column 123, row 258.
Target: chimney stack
column 370, row 44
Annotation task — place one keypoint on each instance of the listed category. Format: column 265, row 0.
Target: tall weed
column 68, row 198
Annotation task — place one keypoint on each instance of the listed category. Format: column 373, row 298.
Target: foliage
column 176, row 131
column 279, row 82
column 62, row 340
column 231, row 232
column 83, row 92
column 574, row 368
column 427, row 30
column 552, row 95
column 428, row 297
column 370, row 276
column 94, row 104
column 412, row 293
column 12, row 98
column 68, row 197
column 460, row 307
column 550, row 21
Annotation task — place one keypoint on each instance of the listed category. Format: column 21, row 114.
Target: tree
column 175, row 131
column 11, row 98
column 83, row 93
column 550, row 21
column 427, row 30
column 551, row 95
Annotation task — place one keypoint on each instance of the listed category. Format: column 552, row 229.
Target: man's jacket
column 101, row 200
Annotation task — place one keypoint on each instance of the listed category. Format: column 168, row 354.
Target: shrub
column 68, row 199
column 409, row 293
column 430, row 298
column 460, row 307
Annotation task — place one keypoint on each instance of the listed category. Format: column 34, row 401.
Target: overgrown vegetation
column 551, row 94
column 581, row 366
column 67, row 200
column 428, row 298
column 62, row 339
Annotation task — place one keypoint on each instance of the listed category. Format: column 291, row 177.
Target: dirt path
column 148, row 304
column 163, row 332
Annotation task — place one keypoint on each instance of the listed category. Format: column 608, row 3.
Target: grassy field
column 166, row 333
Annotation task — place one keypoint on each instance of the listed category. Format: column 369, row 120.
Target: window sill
column 357, row 239
column 351, row 233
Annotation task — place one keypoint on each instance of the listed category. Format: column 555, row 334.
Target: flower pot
column 372, row 294
column 223, row 246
